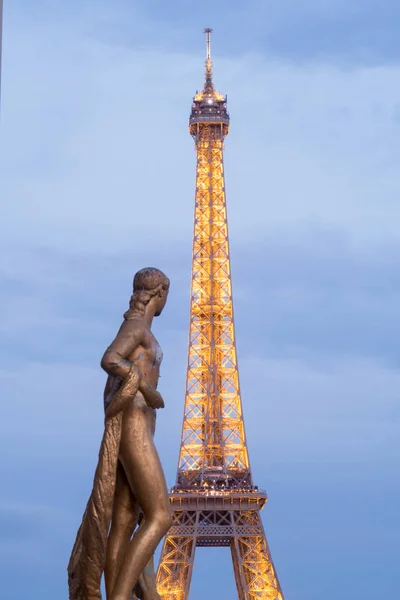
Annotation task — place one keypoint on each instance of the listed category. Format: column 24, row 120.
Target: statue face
column 161, row 301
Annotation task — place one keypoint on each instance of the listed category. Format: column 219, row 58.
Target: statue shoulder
column 133, row 327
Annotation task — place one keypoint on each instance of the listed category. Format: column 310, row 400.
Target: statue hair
column 147, row 283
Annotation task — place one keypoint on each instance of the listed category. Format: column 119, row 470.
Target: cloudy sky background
column 97, row 180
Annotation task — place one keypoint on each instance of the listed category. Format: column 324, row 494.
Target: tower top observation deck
column 209, row 106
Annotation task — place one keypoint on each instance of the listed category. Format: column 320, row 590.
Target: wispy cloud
column 313, row 145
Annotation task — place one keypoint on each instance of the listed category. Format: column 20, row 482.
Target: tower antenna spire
column 208, row 33
column 209, row 83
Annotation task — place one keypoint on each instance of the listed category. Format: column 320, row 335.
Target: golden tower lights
column 214, row 500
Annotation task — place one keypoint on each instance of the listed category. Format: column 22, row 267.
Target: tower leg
column 254, row 570
column 175, row 568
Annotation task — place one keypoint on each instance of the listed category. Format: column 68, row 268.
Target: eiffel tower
column 214, row 500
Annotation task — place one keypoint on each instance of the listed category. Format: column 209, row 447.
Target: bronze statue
column 129, row 485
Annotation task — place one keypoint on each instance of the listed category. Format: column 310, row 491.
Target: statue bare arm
column 114, row 361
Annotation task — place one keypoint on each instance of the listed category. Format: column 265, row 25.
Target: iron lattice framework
column 214, row 500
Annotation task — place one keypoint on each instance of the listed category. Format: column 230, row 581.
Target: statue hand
column 151, row 395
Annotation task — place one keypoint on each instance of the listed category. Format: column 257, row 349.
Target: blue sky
column 97, row 180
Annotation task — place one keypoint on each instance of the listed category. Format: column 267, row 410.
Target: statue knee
column 165, row 520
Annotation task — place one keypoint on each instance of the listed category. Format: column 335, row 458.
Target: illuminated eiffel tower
column 214, row 500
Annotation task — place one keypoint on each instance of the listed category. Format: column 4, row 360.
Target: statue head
column 149, row 285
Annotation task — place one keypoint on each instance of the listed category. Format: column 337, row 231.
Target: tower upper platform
column 209, row 106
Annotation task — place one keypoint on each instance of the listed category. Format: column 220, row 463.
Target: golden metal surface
column 128, row 512
column 214, row 501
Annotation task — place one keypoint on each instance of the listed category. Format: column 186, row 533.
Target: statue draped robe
column 88, row 556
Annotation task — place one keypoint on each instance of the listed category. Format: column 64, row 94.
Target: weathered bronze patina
column 128, row 512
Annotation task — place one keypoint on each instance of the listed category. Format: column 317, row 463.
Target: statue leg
column 145, row 475
column 124, row 520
